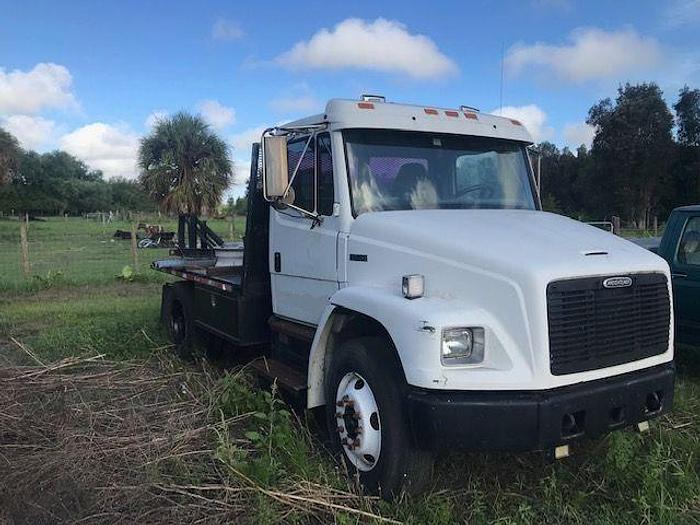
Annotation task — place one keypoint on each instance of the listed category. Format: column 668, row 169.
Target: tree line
column 57, row 183
column 184, row 167
column 643, row 162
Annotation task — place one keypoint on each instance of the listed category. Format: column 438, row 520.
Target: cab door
column 686, row 279
column 303, row 264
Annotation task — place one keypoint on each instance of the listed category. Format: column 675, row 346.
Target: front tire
column 365, row 418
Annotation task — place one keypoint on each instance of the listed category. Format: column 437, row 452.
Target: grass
column 75, row 251
column 119, row 320
column 259, row 446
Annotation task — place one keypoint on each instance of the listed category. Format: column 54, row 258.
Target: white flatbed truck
column 399, row 268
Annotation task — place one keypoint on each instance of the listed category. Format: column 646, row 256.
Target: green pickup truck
column 680, row 246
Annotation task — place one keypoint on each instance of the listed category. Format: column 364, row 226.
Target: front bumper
column 537, row 420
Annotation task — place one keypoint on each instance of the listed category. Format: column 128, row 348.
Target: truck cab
column 680, row 246
column 423, row 299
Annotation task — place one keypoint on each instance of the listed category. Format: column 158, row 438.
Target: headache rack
column 194, row 237
column 202, row 256
column 592, row 327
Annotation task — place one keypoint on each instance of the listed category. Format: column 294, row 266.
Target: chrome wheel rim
column 357, row 421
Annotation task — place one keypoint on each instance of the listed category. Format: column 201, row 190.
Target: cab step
column 287, row 378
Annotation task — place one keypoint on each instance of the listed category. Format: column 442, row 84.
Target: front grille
column 592, row 327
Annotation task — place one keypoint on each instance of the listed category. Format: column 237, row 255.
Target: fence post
column 24, row 247
column 232, row 227
column 134, row 247
column 616, row 224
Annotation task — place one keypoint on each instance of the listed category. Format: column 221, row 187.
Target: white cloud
column 300, row 104
column 577, row 133
column 382, row 45
column 243, row 141
column 241, row 171
column 216, row 114
column 154, row 117
column 591, row 54
column 241, row 144
column 32, row 132
column 45, row 86
column 532, row 117
column 225, row 29
column 682, row 12
column 112, row 149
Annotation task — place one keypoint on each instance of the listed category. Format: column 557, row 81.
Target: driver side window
column 312, row 188
column 303, row 184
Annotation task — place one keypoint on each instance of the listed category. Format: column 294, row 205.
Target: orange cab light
column 365, row 105
column 452, row 113
column 429, row 111
column 471, row 116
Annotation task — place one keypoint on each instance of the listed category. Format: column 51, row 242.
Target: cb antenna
column 503, row 51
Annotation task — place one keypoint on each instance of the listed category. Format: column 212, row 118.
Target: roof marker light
column 429, row 111
column 372, row 98
column 450, row 113
column 516, row 122
column 365, row 105
column 472, row 116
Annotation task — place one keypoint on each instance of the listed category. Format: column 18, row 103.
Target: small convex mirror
column 275, row 175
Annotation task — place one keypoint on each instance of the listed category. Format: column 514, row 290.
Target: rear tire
column 178, row 320
column 366, row 423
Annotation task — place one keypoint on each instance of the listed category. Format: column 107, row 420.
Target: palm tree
column 184, row 165
column 10, row 156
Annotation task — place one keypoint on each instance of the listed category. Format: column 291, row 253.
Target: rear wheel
column 177, row 316
column 364, row 413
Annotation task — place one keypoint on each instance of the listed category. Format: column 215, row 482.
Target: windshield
column 405, row 170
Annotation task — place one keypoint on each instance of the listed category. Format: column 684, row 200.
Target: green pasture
column 76, row 251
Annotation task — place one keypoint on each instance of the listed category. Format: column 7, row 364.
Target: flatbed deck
column 221, row 268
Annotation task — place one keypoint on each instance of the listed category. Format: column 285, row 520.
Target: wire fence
column 49, row 251
column 616, row 226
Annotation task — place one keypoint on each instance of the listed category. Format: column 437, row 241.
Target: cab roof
column 691, row 208
column 348, row 114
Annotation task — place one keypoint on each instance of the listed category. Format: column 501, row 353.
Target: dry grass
column 92, row 441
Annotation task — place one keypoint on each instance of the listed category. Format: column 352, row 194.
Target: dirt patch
column 104, row 442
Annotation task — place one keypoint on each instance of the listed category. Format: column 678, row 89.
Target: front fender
column 415, row 329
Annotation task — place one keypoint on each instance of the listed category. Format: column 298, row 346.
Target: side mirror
column 275, row 170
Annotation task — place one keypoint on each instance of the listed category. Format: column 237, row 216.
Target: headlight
column 462, row 346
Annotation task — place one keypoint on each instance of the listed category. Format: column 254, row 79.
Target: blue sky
column 90, row 76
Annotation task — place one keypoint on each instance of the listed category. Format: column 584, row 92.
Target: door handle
column 679, row 275
column 278, row 262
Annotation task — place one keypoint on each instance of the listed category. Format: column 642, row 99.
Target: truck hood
column 486, row 268
column 507, row 242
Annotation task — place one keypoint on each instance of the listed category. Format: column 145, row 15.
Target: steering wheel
column 488, row 190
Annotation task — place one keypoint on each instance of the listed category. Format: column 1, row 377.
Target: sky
column 92, row 77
